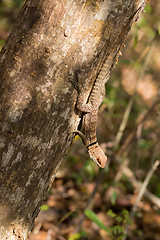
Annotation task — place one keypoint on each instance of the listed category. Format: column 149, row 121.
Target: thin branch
column 144, row 185
column 137, row 184
column 142, row 192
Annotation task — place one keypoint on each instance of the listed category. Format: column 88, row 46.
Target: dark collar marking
column 91, row 144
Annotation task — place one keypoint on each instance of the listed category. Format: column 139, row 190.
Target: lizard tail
column 97, row 155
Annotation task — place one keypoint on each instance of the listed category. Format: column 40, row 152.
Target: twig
column 152, row 198
column 68, row 214
column 142, row 192
column 138, row 185
column 144, row 185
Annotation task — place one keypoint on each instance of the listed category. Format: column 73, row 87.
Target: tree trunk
column 52, row 44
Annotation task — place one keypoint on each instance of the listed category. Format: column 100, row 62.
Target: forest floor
column 63, row 213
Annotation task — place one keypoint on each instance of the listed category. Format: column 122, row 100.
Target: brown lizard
column 88, row 129
column 90, row 109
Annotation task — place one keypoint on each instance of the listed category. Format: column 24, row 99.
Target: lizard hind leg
column 97, row 155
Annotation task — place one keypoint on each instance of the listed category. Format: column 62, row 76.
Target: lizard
column 90, row 109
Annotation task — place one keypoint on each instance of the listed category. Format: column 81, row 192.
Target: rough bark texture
column 52, row 44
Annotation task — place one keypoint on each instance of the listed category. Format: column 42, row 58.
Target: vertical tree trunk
column 52, row 44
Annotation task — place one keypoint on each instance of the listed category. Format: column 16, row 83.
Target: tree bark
column 52, row 44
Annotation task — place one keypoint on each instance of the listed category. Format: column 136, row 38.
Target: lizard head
column 97, row 155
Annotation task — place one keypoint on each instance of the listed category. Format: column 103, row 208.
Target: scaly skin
column 90, row 109
column 88, row 135
column 88, row 130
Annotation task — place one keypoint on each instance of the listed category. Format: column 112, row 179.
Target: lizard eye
column 98, row 160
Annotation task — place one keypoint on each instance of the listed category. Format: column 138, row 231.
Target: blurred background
column 121, row 201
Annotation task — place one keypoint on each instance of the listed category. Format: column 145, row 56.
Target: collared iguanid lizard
column 90, row 109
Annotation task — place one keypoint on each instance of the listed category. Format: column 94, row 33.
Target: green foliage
column 135, row 39
column 77, row 236
column 93, row 217
column 145, row 144
column 112, row 97
column 77, row 177
column 111, row 214
column 89, row 169
column 1, row 43
column 148, row 9
column 18, row 3
column 118, row 229
column 158, row 190
column 10, row 4
column 126, row 216
column 44, row 207
column 143, row 24
column 124, row 61
column 114, row 198
column 120, row 222
column 8, row 13
column 159, row 28
column 122, row 217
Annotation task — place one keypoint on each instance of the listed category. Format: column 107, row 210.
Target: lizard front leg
column 83, row 89
column 82, row 105
column 95, row 98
